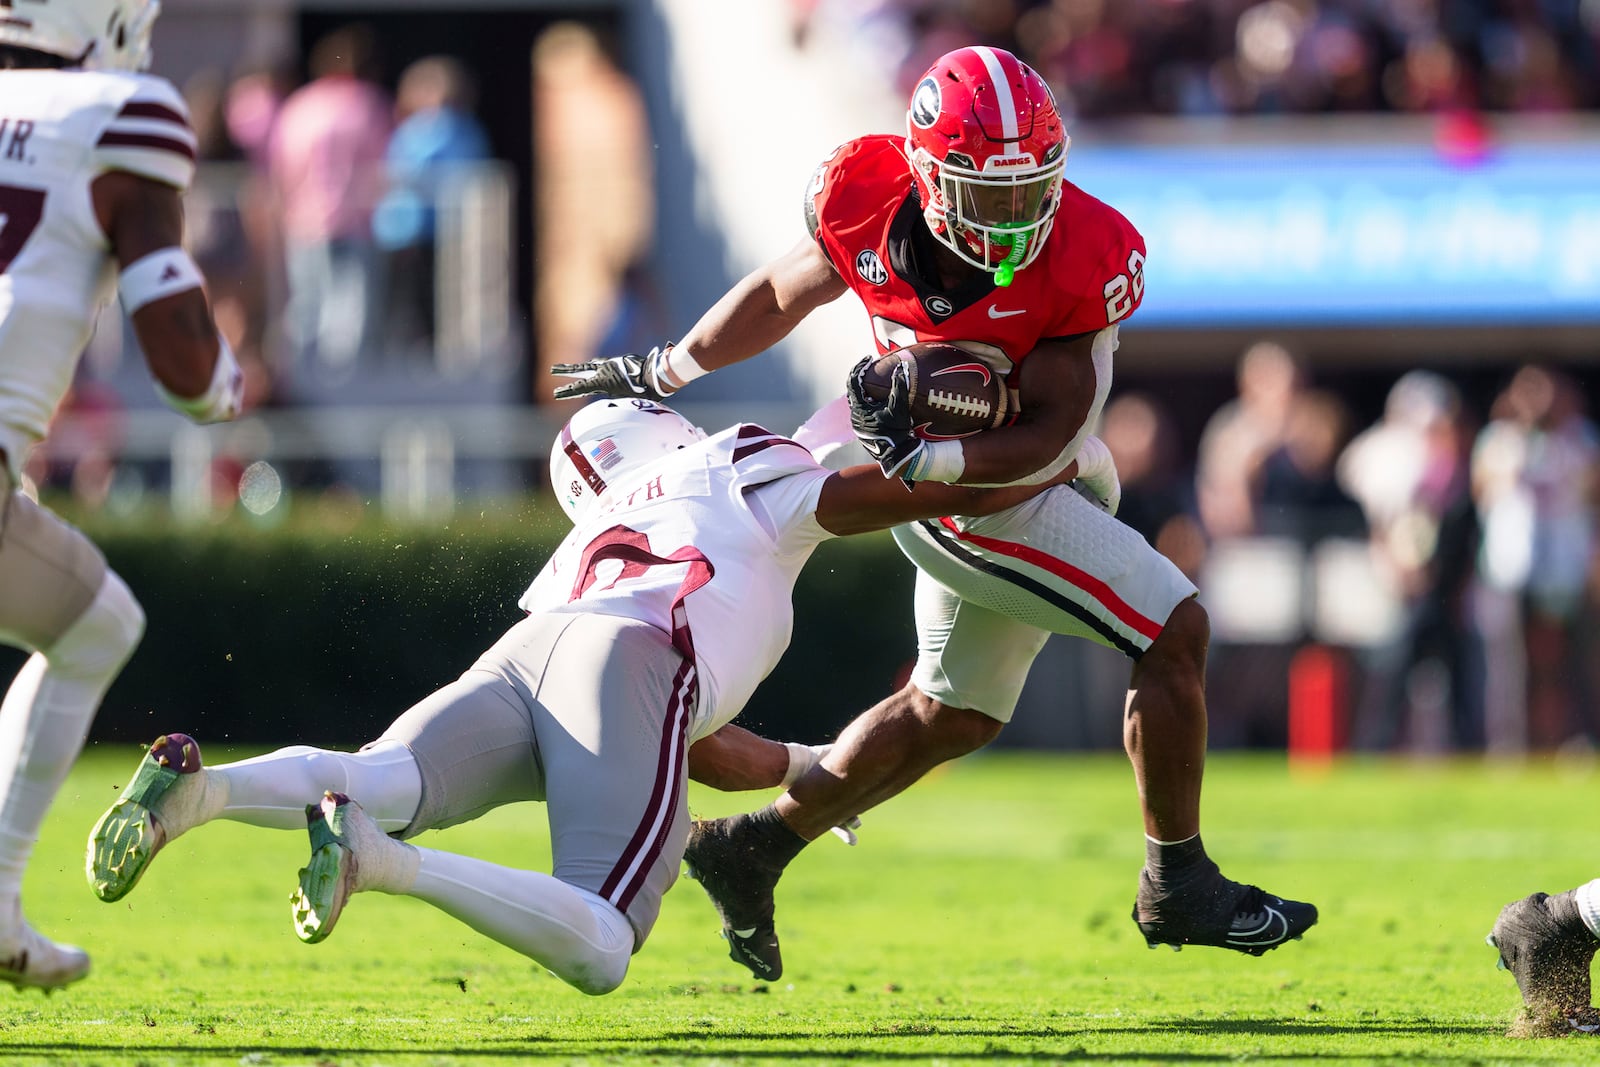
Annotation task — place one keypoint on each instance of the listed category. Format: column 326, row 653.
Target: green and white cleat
column 327, row 881
column 128, row 836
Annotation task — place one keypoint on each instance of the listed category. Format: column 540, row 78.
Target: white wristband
column 801, row 759
column 681, row 366
column 223, row 397
column 938, row 461
column 163, row 273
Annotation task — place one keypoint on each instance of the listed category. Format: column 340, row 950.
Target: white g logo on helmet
column 926, row 104
column 607, row 439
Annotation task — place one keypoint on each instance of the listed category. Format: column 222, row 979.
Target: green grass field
column 984, row 917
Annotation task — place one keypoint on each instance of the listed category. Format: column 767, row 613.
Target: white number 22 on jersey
column 1125, row 290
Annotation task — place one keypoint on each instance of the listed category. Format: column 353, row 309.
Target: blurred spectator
column 1409, row 471
column 80, row 453
column 254, row 99
column 1247, row 56
column 326, row 157
column 586, row 108
column 1157, row 489
column 640, row 319
column 251, row 105
column 436, row 132
column 1534, row 476
column 1239, row 437
column 1300, row 496
column 218, row 210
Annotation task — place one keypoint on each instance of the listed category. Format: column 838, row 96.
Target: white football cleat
column 29, row 960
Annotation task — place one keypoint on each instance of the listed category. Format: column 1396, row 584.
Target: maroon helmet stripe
column 586, row 471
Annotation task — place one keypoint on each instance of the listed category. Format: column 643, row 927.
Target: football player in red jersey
column 964, row 230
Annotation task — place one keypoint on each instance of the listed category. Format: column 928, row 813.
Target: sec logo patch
column 871, row 268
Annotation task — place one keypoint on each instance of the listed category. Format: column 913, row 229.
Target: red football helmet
column 987, row 150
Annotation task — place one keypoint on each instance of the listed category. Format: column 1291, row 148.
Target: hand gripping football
column 953, row 393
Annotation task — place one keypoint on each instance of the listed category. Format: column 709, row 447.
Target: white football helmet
column 93, row 34
column 607, row 439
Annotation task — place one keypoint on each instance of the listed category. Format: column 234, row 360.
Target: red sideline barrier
column 1318, row 707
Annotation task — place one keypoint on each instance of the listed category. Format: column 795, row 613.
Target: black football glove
column 626, row 376
column 884, row 426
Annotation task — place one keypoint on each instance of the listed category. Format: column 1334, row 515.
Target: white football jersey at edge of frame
column 736, row 512
column 59, row 131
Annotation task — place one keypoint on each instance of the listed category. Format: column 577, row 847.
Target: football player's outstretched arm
column 733, row 760
column 754, row 315
column 860, row 499
column 162, row 290
column 764, row 307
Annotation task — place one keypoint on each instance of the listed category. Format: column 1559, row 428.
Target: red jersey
column 863, row 210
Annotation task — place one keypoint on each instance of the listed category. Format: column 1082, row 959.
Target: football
column 953, row 393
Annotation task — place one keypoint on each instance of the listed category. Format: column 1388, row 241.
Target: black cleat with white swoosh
column 730, row 870
column 1258, row 923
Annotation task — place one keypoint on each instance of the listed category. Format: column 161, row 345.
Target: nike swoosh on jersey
column 996, row 313
column 1272, row 929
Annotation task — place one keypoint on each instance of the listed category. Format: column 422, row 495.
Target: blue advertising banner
column 1341, row 234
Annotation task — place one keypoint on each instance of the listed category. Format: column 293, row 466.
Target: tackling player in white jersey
column 94, row 158
column 648, row 629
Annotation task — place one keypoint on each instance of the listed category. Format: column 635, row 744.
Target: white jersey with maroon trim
column 704, row 543
column 59, row 130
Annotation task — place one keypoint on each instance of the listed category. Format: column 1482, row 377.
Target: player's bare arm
column 764, row 307
column 860, row 499
column 733, row 759
column 140, row 218
column 1057, row 388
column 755, row 314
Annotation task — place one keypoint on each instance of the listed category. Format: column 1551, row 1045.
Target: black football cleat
column 740, row 890
column 1256, row 923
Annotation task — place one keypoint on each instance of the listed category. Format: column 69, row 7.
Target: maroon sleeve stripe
column 112, row 139
column 746, row 451
column 149, row 109
column 749, row 430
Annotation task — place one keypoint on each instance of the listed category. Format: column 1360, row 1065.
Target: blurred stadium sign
column 1344, row 232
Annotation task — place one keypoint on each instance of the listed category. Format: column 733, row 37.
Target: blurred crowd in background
column 1111, row 58
column 1480, row 528
column 333, row 211
column 316, row 221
